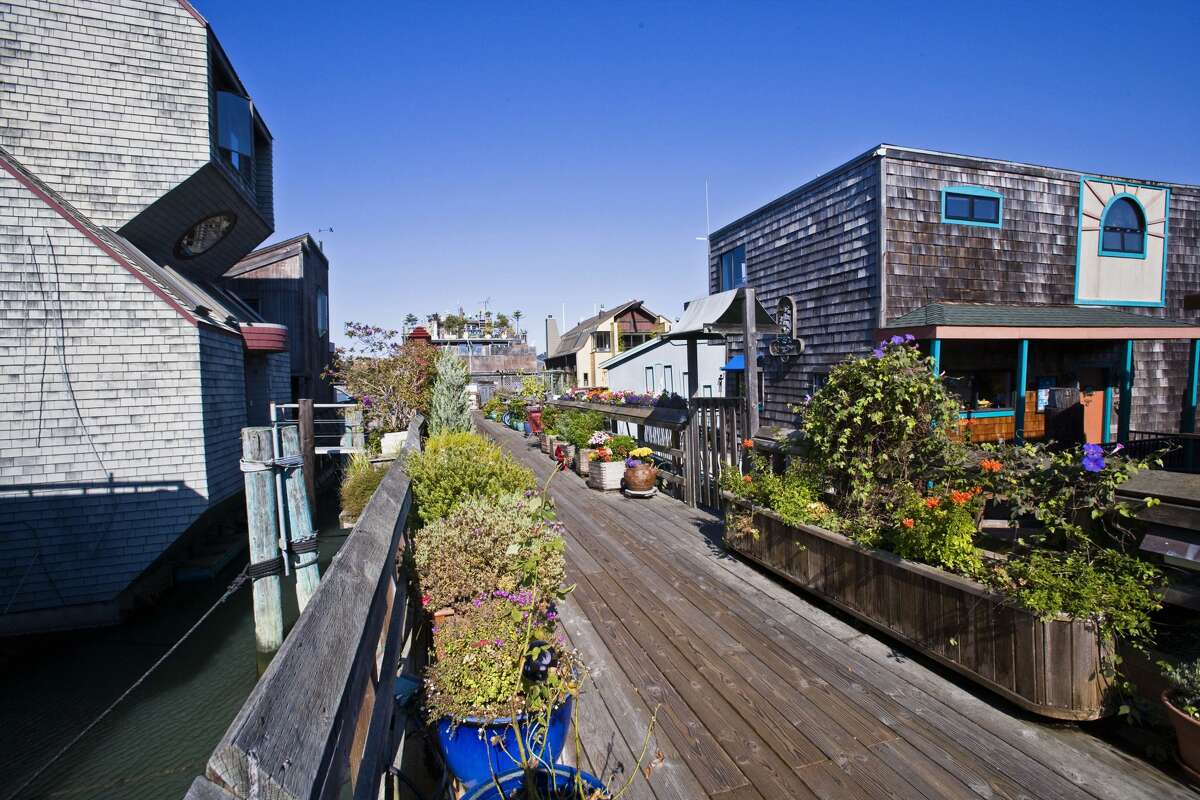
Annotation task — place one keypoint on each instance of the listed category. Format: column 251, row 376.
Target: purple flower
column 551, row 616
column 896, row 340
column 1093, row 457
column 877, row 352
column 366, row 401
column 1117, row 449
column 477, row 602
column 909, row 338
column 499, row 643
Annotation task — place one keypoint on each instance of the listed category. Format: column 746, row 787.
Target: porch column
column 1022, row 380
column 1188, row 423
column 935, row 352
column 750, row 348
column 1126, row 394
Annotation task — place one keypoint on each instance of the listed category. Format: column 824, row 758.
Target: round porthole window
column 205, row 234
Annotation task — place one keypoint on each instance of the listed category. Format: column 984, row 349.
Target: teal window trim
column 999, row 412
column 973, row 191
column 1162, row 300
column 1104, row 218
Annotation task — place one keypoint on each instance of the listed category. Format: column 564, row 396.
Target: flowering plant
column 622, row 397
column 599, row 438
column 940, row 529
column 615, row 449
column 638, row 456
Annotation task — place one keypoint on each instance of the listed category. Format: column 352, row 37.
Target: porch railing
column 324, row 720
column 1182, row 450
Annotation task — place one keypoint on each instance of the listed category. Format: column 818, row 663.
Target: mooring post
column 308, row 449
column 266, row 563
column 302, row 534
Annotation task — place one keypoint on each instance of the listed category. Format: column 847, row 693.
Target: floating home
column 135, row 171
column 580, row 351
column 1056, row 303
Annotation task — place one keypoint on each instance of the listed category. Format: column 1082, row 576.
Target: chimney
column 551, row 334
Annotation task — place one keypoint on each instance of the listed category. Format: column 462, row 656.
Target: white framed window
column 668, row 378
column 649, row 379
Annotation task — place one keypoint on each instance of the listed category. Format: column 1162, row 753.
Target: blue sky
column 542, row 154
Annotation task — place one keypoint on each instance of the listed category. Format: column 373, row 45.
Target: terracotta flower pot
column 641, row 478
column 583, row 461
column 1187, row 734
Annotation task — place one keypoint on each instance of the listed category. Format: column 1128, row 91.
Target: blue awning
column 736, row 364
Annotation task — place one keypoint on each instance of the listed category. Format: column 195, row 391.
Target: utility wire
column 233, row 587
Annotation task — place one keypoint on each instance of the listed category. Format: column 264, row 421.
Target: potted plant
column 557, row 783
column 1182, row 701
column 501, row 689
column 608, row 463
column 640, row 473
column 583, row 457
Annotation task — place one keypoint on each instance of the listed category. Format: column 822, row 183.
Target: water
column 159, row 738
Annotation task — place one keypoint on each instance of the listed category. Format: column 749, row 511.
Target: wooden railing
column 1181, row 451
column 320, row 721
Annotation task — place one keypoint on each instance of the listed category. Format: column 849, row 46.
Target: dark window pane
column 1123, row 214
column 1112, row 240
column 1133, row 242
column 987, row 209
column 958, row 206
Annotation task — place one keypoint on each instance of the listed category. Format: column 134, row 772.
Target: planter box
column 546, row 443
column 1050, row 667
column 583, row 461
column 606, row 475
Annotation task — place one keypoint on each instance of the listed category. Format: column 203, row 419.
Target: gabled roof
column 633, row 352
column 274, row 253
column 575, row 339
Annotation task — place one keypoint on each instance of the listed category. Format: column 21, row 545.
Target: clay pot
column 1187, row 735
column 641, row 478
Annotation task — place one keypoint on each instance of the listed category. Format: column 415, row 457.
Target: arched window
column 1124, row 228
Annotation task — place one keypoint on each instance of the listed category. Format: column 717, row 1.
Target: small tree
column 410, row 321
column 450, row 409
column 392, row 378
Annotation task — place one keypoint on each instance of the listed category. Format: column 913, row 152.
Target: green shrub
column 795, row 495
column 450, row 408
column 485, row 544
column 359, row 481
column 1184, row 680
column 576, row 427
column 1117, row 591
column 940, row 530
column 456, row 466
column 480, row 671
column 550, row 417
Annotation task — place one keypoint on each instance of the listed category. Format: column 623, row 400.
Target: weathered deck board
column 764, row 694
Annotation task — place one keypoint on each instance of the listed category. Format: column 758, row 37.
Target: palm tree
column 516, row 315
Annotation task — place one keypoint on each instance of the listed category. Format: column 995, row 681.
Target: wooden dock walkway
column 761, row 694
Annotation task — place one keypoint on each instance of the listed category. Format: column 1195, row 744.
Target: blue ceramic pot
column 561, row 778
column 528, row 428
column 474, row 758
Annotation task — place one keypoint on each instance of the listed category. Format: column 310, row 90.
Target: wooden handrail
column 322, row 712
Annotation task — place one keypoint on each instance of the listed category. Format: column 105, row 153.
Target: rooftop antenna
column 485, row 303
column 320, row 242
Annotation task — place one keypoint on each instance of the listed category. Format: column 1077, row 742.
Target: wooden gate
column 716, row 427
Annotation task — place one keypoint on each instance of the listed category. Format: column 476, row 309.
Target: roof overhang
column 265, row 337
column 717, row 315
column 1016, row 332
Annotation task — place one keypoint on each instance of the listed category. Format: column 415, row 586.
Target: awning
column 736, row 364
column 986, row 321
column 718, row 315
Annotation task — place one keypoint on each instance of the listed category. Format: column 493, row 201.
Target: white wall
column 668, row 363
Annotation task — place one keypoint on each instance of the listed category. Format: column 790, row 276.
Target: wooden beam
column 308, row 448
column 262, row 518
column 300, row 522
column 750, row 349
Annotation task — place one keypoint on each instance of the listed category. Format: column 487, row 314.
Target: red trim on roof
column 111, row 253
column 189, row 8
column 265, row 337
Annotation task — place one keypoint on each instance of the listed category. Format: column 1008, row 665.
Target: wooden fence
column 323, row 720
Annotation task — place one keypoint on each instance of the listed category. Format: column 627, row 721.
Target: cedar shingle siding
column 822, row 244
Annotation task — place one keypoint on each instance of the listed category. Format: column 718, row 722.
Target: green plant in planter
column 878, row 429
column 794, row 494
column 550, row 417
column 504, row 543
column 359, row 482
column 939, row 529
column 577, row 427
column 481, row 659
column 454, row 467
column 1184, row 686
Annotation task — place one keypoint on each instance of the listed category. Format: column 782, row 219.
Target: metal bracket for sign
column 786, row 345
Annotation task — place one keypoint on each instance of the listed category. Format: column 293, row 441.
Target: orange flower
column 908, row 522
column 961, row 498
column 990, row 465
column 747, row 478
column 932, row 502
column 977, row 490
column 748, row 444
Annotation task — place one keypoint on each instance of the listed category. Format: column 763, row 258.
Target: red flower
column 932, row 502
column 961, row 498
column 990, row 465
column 425, row 599
column 747, row 478
column 908, row 522
column 748, row 444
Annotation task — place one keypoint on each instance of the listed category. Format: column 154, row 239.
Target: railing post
column 308, row 449
column 263, row 523
column 301, row 532
column 750, row 350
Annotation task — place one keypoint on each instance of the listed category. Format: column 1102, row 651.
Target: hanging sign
column 785, row 345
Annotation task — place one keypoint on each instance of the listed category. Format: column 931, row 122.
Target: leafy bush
column 1117, row 591
column 489, row 543
column 359, row 481
column 576, row 427
column 794, row 495
column 500, row 659
column 456, row 466
column 391, row 377
column 1184, row 681
column 940, row 529
column 550, row 417
column 450, row 408
column 873, row 429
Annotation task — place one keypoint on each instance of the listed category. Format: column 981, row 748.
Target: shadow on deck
column 759, row 693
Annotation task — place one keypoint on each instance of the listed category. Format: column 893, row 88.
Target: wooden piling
column 308, row 449
column 300, row 525
column 263, row 523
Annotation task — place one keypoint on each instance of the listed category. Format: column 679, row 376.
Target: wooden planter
column 546, row 443
column 606, row 475
column 1050, row 667
column 583, row 461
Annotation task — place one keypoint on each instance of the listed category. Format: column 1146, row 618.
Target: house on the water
column 288, row 283
column 580, row 351
column 1047, row 297
column 135, row 171
column 660, row 365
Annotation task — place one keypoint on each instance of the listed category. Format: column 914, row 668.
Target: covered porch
column 1032, row 372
